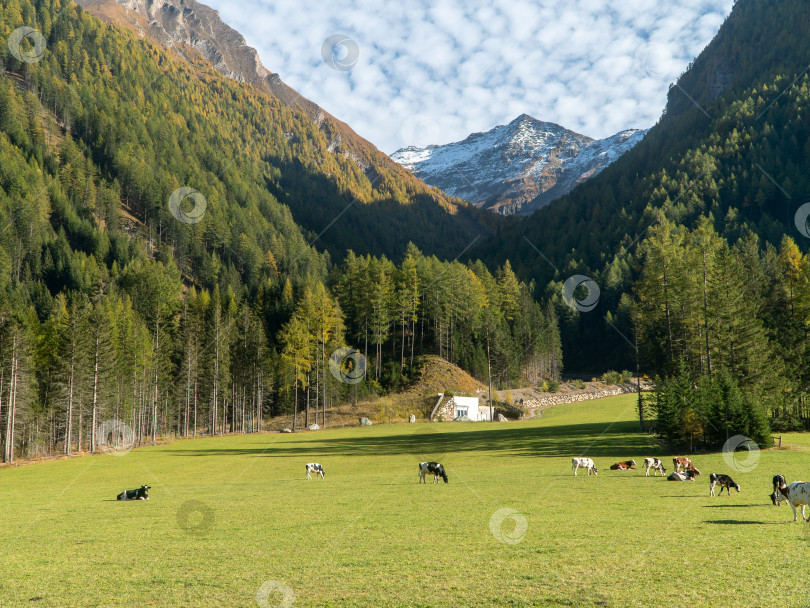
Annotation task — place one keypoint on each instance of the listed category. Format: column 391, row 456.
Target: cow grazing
column 656, row 465
column 314, row 467
column 682, row 462
column 798, row 495
column 141, row 493
column 432, row 467
column 777, row 497
column 623, row 466
column 585, row 463
column 724, row 481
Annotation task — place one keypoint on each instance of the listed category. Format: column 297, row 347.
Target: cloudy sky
column 421, row 72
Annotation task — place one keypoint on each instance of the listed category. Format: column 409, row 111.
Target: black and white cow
column 585, row 463
column 798, row 495
column 655, row 464
column 688, row 475
column 141, row 493
column 314, row 467
column 432, row 467
column 778, row 482
column 724, row 481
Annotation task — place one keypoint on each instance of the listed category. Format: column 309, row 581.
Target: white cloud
column 594, row 66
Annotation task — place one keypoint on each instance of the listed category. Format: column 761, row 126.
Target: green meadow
column 232, row 521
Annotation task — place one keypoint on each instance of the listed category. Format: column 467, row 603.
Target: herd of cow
column 797, row 494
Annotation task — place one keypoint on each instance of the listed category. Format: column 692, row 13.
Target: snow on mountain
column 516, row 168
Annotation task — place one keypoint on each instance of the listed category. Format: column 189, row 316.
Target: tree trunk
column 95, row 400
column 69, row 422
column 307, row 414
column 12, row 403
column 706, row 319
column 295, row 406
column 157, row 366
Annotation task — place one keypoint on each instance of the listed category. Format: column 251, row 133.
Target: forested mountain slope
column 153, row 276
column 189, row 32
column 732, row 145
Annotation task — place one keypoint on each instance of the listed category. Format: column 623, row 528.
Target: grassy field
column 233, row 522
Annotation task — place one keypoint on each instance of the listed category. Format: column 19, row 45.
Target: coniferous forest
column 697, row 237
column 129, row 303
column 185, row 254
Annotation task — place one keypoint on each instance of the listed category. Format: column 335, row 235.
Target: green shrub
column 579, row 384
column 611, row 377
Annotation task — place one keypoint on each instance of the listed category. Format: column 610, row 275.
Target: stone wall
column 561, row 398
column 445, row 410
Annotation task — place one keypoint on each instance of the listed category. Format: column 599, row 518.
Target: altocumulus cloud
column 595, row 66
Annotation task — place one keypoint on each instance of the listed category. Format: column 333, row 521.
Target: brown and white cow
column 682, row 462
column 625, row 465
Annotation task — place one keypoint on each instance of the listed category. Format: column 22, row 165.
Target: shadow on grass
column 733, row 506
column 740, row 522
column 597, row 440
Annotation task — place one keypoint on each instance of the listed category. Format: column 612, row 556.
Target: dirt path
column 535, row 412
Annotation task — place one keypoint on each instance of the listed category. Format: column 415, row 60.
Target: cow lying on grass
column 724, row 481
column 687, row 475
column 797, row 494
column 141, row 493
column 432, row 467
column 585, row 463
column 623, row 466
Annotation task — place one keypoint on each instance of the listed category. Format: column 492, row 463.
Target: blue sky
column 433, row 72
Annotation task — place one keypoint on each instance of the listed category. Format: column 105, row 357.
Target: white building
column 456, row 407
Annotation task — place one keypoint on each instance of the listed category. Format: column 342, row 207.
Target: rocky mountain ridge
column 516, row 168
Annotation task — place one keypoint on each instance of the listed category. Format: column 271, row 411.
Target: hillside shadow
column 561, row 441
column 316, row 201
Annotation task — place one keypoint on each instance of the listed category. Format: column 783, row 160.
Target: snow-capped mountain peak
column 516, row 168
